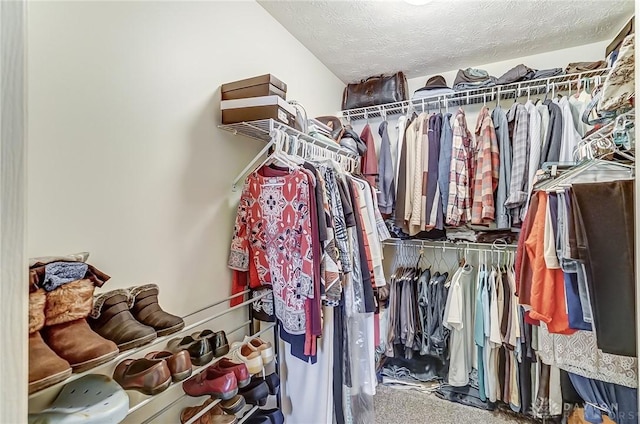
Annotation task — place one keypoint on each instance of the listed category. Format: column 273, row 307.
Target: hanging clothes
column 461, row 172
column 433, row 207
column 487, row 170
column 401, row 125
column 501, row 125
column 279, row 223
column 386, row 195
column 458, row 317
column 418, row 197
column 553, row 141
column 519, row 129
column 605, row 212
column 369, row 162
column 444, row 158
column 536, row 135
column 570, row 136
column 547, row 285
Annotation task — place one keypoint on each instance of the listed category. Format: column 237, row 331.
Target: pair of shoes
column 258, row 345
column 221, row 380
column 92, row 398
column 256, row 392
column 202, row 346
column 266, row 416
column 179, row 363
column 148, row 376
column 217, row 340
column 253, row 352
column 233, row 405
column 60, row 340
column 272, row 380
column 153, row 373
column 132, row 317
column 213, row 416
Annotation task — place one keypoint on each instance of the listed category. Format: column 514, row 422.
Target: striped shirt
column 519, row 167
column 462, row 168
column 487, row 170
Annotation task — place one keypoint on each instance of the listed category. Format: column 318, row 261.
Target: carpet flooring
column 394, row 406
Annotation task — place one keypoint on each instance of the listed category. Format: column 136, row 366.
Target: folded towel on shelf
column 515, row 74
column 508, row 237
column 577, row 67
column 470, row 78
column 461, row 234
column 547, row 73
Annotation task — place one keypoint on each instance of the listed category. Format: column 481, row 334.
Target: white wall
column 125, row 159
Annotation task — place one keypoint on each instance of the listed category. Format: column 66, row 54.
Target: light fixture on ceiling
column 417, row 2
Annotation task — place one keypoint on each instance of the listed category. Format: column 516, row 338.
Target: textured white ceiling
column 356, row 39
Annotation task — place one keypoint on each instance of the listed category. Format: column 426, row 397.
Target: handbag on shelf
column 375, row 91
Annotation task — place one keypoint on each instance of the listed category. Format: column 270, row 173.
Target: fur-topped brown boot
column 66, row 329
column 45, row 367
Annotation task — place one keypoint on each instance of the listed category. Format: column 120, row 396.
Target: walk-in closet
column 318, row 212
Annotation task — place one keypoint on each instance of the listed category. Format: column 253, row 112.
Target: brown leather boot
column 66, row 330
column 45, row 367
column 112, row 319
column 143, row 301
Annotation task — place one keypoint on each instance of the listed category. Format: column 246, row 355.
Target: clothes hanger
column 578, row 84
column 278, row 156
column 546, row 94
column 597, row 165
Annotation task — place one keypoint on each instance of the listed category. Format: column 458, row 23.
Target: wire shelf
column 450, row 245
column 475, row 96
column 261, row 130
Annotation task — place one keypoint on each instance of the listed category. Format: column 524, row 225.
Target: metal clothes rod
column 447, row 245
column 216, row 303
column 198, row 370
column 264, row 129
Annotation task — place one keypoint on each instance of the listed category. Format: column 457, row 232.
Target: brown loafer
column 149, row 376
column 214, row 416
column 179, row 363
column 143, row 301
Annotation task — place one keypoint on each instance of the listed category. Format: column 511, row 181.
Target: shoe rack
column 166, row 406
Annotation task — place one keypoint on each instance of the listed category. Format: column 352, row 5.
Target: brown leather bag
column 375, row 91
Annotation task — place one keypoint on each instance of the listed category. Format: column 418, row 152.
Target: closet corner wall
column 13, row 264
